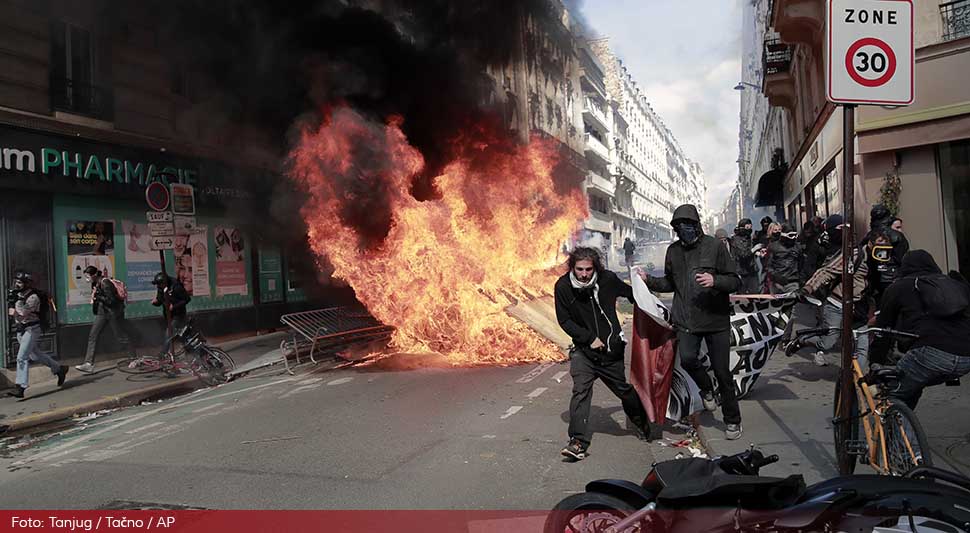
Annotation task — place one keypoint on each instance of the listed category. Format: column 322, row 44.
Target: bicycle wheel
column 214, row 365
column 906, row 444
column 846, row 430
column 139, row 365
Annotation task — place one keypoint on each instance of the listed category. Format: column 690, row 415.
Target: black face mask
column 744, row 232
column 834, row 237
column 687, row 232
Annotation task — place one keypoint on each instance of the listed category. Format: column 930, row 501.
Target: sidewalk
column 788, row 411
column 110, row 388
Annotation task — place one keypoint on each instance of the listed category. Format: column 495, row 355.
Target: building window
column 955, row 182
column 834, row 199
column 73, row 70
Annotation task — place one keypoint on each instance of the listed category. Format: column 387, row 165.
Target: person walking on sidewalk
column 172, row 297
column 26, row 308
column 785, row 262
column 741, row 246
column 108, row 307
column 702, row 275
column 934, row 306
column 826, row 284
column 586, row 310
column 629, row 248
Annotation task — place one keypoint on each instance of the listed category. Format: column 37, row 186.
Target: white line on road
column 559, row 375
column 143, row 428
column 534, row 373
column 340, row 381
column 310, row 381
column 298, row 390
column 537, row 392
column 206, row 408
column 512, row 410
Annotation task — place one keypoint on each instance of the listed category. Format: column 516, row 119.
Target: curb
column 105, row 402
column 702, row 437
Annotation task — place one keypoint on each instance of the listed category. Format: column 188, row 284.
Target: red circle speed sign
column 869, row 62
column 157, row 196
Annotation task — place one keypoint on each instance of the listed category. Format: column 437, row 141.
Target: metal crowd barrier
column 327, row 330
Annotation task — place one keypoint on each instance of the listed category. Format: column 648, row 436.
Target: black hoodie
column 741, row 250
column 584, row 319
column 902, row 309
column 695, row 308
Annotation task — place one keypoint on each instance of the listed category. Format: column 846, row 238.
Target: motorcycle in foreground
column 728, row 494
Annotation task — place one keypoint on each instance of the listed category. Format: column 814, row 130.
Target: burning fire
column 440, row 271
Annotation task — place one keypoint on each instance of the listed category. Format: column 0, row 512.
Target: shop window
column 833, row 198
column 955, row 182
column 818, row 197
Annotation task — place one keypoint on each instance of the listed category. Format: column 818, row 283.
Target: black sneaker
column 61, row 374
column 17, row 392
column 792, row 348
column 643, row 432
column 574, row 450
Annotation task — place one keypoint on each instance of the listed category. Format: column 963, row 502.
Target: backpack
column 120, row 288
column 44, row 311
column 941, row 295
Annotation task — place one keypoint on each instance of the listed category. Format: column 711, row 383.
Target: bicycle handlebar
column 921, row 472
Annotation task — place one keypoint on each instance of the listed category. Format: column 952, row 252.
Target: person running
column 27, row 315
column 702, row 275
column 108, row 307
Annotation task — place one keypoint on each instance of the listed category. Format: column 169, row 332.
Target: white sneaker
column 710, row 403
column 87, row 368
column 733, row 432
column 820, row 359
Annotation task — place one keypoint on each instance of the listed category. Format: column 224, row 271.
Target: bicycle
column 210, row 364
column 893, row 441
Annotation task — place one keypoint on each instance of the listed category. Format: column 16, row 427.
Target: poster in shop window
column 141, row 261
column 89, row 243
column 192, row 260
column 230, row 261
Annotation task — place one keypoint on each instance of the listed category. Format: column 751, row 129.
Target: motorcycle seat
column 689, row 482
column 879, row 374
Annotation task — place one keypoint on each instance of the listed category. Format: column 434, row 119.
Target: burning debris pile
column 441, row 271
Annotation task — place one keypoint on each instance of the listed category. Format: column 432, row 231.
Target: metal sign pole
column 848, row 242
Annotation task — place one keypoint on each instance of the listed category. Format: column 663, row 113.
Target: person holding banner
column 586, row 311
column 702, row 275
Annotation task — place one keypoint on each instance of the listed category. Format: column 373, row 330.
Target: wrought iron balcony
column 956, row 19
column 82, row 99
column 777, row 58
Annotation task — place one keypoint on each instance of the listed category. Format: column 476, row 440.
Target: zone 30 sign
column 870, row 53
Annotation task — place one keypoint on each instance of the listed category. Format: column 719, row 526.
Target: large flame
column 441, row 271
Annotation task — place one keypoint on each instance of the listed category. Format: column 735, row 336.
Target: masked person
column 936, row 307
column 741, row 246
column 785, row 262
column 826, row 285
column 702, row 275
column 586, row 311
column 886, row 257
column 761, row 236
column 25, row 308
column 172, row 297
column 811, row 249
column 108, row 307
column 628, row 250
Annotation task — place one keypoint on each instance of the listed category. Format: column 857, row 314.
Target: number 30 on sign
column 870, row 54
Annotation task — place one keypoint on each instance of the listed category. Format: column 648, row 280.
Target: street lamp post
column 741, row 85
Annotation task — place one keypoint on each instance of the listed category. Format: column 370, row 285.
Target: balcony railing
column 82, row 99
column 597, row 147
column 595, row 180
column 777, row 58
column 956, row 19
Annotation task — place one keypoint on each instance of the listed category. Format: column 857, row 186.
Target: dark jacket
column 175, row 295
column 629, row 248
column 902, row 309
column 785, row 262
column 106, row 297
column 882, row 274
column 695, row 308
column 583, row 320
column 813, row 255
column 743, row 256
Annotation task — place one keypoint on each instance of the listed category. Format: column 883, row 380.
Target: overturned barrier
column 328, row 331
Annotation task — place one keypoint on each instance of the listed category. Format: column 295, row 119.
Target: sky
column 686, row 55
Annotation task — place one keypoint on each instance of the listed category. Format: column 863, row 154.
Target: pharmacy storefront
column 69, row 203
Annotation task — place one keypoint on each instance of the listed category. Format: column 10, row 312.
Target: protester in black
column 586, row 311
column 172, row 297
column 785, row 262
column 628, row 250
column 884, row 258
column 936, row 307
column 741, row 246
column 812, row 252
column 702, row 275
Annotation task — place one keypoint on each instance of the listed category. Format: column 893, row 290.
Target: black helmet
column 161, row 279
column 92, row 270
column 23, row 276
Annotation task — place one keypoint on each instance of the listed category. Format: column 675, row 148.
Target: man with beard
column 702, row 275
column 785, row 262
column 741, row 246
column 586, row 311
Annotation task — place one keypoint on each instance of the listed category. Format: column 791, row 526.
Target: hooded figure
column 886, row 257
column 785, row 261
column 942, row 351
column 741, row 246
column 702, row 275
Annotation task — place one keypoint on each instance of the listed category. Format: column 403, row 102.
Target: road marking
column 310, row 381
column 537, row 392
column 559, row 375
column 534, row 373
column 143, row 428
column 512, row 410
column 340, row 381
column 488, row 436
column 298, row 390
column 206, row 408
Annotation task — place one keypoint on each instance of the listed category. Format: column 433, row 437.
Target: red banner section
column 652, row 364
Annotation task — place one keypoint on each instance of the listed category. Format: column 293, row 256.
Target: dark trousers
column 584, row 372
column 178, row 322
column 750, row 284
column 719, row 353
column 118, row 325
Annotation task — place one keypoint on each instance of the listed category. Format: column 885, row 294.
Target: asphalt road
column 362, row 438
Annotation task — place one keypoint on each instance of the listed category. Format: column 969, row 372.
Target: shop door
column 25, row 244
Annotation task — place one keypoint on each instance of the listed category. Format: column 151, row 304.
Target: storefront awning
column 770, row 188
